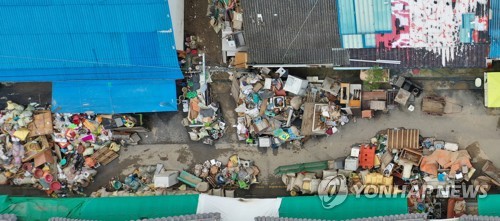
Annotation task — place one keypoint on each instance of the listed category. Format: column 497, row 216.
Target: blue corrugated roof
column 364, row 16
column 114, row 96
column 494, row 27
column 347, row 17
column 52, row 40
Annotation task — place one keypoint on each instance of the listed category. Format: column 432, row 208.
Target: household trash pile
column 213, row 175
column 398, row 161
column 190, row 59
column 225, row 11
column 204, row 118
column 152, row 180
column 274, row 107
column 56, row 153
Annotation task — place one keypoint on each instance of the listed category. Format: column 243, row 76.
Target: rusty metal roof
column 292, row 32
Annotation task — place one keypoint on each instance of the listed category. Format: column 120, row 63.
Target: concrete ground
column 471, row 124
column 168, row 142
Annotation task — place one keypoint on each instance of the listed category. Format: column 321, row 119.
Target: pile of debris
column 152, row 180
column 205, row 121
column 398, row 161
column 274, row 107
column 212, row 174
column 225, row 12
column 57, row 154
column 212, row 177
column 190, row 59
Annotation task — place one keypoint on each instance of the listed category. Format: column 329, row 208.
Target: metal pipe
column 350, row 68
column 289, row 65
column 377, row 61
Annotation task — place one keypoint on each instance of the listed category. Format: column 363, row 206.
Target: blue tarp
column 494, row 27
column 116, row 96
column 95, row 52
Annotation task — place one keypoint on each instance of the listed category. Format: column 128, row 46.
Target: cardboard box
column 41, row 125
column 237, row 20
column 240, row 60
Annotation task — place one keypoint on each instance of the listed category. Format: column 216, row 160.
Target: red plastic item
column 76, row 119
column 49, row 178
column 55, row 185
column 38, row 173
column 366, row 156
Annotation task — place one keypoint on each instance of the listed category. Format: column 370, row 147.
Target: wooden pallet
column 104, row 156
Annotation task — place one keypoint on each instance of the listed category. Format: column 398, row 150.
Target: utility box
column 296, row 85
column 166, row 179
column 351, row 163
column 355, row 152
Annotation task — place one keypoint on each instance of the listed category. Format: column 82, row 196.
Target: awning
column 114, row 96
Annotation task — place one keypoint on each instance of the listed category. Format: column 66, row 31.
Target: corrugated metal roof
column 291, row 32
column 8, row 217
column 347, row 17
column 364, row 16
column 194, row 217
column 373, row 16
column 114, row 96
column 340, row 56
column 464, row 55
column 494, row 27
column 274, row 40
column 352, row 41
column 407, row 217
column 50, row 40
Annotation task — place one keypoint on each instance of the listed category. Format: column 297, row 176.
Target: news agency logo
column 334, row 196
column 330, row 201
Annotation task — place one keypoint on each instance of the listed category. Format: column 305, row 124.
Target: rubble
column 387, row 166
column 56, row 153
column 212, row 177
column 213, row 174
column 276, row 107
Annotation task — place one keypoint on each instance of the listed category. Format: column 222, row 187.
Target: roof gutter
column 290, row 65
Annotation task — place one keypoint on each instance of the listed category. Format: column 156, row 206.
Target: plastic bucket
column 27, row 167
column 55, row 185
column 38, row 173
column 49, row 178
column 117, row 185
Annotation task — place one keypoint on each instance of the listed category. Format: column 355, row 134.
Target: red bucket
column 55, row 185
column 38, row 173
column 27, row 167
column 49, row 178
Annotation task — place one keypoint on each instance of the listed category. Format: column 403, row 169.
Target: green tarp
column 107, row 208
column 301, row 167
column 311, row 207
column 489, row 206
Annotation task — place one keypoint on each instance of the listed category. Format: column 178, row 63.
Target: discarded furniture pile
column 227, row 17
column 204, row 117
column 432, row 173
column 275, row 107
column 217, row 178
column 212, row 177
column 151, row 180
column 57, row 153
column 190, row 60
